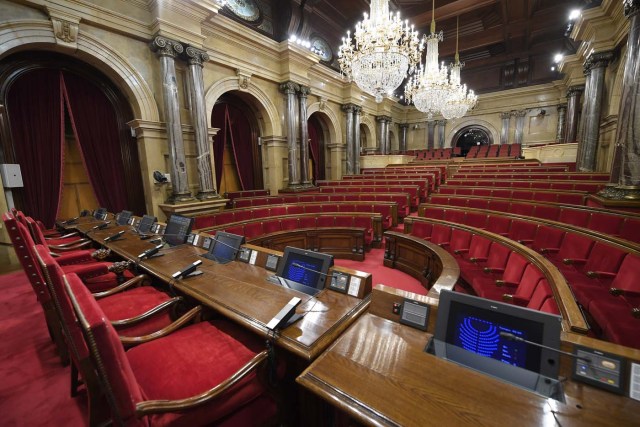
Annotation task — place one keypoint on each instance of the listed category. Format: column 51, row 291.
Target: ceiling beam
column 478, row 40
column 450, row 10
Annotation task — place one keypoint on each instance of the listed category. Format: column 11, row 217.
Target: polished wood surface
column 379, row 374
column 241, row 292
column 341, row 242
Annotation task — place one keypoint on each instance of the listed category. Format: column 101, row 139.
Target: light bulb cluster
column 300, row 42
column 383, row 50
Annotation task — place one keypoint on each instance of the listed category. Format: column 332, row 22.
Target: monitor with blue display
column 305, row 267
column 224, row 247
column 487, row 336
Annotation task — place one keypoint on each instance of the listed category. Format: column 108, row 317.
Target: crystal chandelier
column 429, row 88
column 384, row 50
column 460, row 101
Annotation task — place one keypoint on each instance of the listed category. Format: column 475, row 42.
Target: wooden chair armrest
column 73, row 248
column 502, row 283
column 64, row 236
column 600, row 274
column 569, row 261
column 549, row 250
column 151, row 312
column 461, row 251
column 157, row 406
column 74, row 245
column 188, row 316
column 138, row 280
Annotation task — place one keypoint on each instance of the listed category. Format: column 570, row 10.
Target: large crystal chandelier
column 429, row 88
column 383, row 51
column 460, row 101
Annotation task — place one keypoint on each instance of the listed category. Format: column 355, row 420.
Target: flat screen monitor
column 124, row 217
column 224, row 247
column 146, row 223
column 470, row 329
column 100, row 213
column 305, row 267
column 177, row 230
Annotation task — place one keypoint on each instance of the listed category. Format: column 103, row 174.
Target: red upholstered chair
column 606, row 223
column 485, row 285
column 574, row 246
column 203, row 374
column 434, row 212
column 236, row 229
column 441, row 235
column 522, row 208
column 524, row 291
column 547, row 237
column 547, row 212
column 271, row 226
column 575, row 217
column 494, row 262
column 474, row 203
column 630, row 230
column 523, row 232
column 307, row 221
column 541, row 293
column 460, row 241
column 248, row 214
column 454, row 215
column 499, row 224
column 56, row 245
column 253, row 230
column 224, row 218
column 422, row 229
column 476, row 219
column 550, row 306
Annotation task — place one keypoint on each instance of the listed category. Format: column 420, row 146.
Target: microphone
column 288, row 311
column 114, row 236
column 190, row 269
column 101, row 226
column 70, row 221
column 510, row 336
column 295, row 264
column 223, row 243
column 149, row 253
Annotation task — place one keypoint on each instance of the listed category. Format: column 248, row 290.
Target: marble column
column 441, row 125
column 583, row 118
column 625, row 170
column 290, row 89
column 196, row 58
column 571, row 122
column 303, row 92
column 380, row 121
column 504, row 132
column 387, row 140
column 356, row 138
column 519, row 135
column 167, row 50
column 403, row 137
column 348, row 109
column 598, row 63
column 562, row 112
column 431, row 126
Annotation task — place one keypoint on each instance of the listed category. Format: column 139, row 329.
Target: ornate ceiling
column 504, row 43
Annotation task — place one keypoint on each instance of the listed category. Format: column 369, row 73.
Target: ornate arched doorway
column 68, row 130
column 238, row 160
column 318, row 137
column 471, row 135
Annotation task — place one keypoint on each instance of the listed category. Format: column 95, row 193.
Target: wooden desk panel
column 378, row 373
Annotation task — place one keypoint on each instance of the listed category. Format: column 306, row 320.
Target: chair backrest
column 479, row 247
column 36, row 232
column 107, row 352
column 515, row 267
column 53, row 275
column 604, row 258
column 627, row 277
column 529, row 281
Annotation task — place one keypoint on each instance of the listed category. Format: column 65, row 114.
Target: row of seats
column 591, row 265
column 587, row 186
column 442, row 168
column 491, row 267
column 95, row 327
column 499, row 165
column 553, row 196
column 400, row 199
column 549, row 176
column 424, row 184
column 493, row 150
column 414, row 191
column 371, row 223
column 231, row 195
column 436, row 153
column 612, row 223
column 388, row 210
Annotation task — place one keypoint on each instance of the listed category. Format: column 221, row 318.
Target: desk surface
column 241, row 292
column 378, row 373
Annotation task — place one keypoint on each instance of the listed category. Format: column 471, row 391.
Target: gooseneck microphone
column 114, row 236
column 150, row 253
column 187, row 271
column 101, row 226
column 70, row 221
column 295, row 264
column 512, row 337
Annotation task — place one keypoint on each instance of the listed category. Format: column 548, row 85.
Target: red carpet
column 34, row 386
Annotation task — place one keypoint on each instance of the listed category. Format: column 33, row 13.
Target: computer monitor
column 305, row 267
column 146, row 222
column 470, row 330
column 124, row 217
column 177, row 230
column 100, row 213
column 224, row 247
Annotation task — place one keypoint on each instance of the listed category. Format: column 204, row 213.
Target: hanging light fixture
column 429, row 88
column 384, row 50
column 460, row 101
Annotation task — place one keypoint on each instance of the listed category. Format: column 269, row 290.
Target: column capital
column 574, row 90
column 163, row 46
column 383, row 119
column 519, row 113
column 561, row 107
column 403, row 125
column 505, row 115
column 348, row 108
column 357, row 109
column 289, row 87
column 598, row 60
column 442, row 122
column 631, row 7
column 304, row 91
column 432, row 123
column 196, row 56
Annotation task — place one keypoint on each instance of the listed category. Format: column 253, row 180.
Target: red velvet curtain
column 235, row 130
column 36, row 118
column 95, row 127
column 314, row 148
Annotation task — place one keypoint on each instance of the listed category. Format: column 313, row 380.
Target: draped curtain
column 314, row 149
column 235, row 131
column 36, row 117
column 95, row 128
